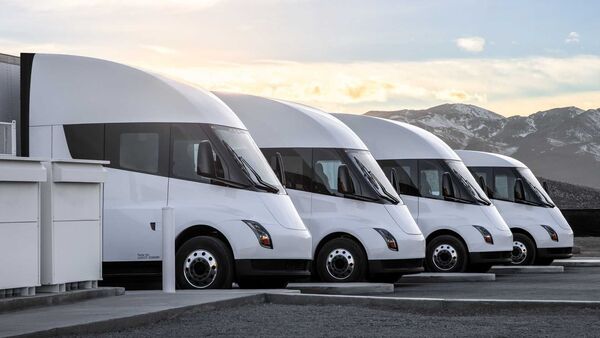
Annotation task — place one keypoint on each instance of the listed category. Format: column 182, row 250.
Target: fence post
column 168, row 255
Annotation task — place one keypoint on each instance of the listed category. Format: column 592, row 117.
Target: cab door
column 135, row 190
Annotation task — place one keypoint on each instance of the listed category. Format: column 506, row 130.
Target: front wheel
column 446, row 253
column 341, row 260
column 523, row 252
column 204, row 263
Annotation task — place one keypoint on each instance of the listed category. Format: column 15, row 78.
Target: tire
column 341, row 260
column 544, row 261
column 262, row 283
column 481, row 268
column 195, row 260
column 524, row 250
column 446, row 253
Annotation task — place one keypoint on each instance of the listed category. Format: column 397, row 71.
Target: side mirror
column 519, row 190
column 481, row 182
column 206, row 162
column 545, row 186
column 279, row 168
column 345, row 184
column 447, row 187
column 394, row 180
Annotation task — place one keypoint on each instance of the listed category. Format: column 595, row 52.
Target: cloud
column 573, row 37
column 360, row 86
column 160, row 49
column 61, row 5
column 473, row 44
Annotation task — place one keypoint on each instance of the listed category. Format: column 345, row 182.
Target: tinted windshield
column 466, row 179
column 531, row 181
column 500, row 184
column 372, row 172
column 241, row 146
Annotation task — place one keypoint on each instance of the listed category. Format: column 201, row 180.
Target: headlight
column 388, row 238
column 264, row 239
column 487, row 237
column 551, row 232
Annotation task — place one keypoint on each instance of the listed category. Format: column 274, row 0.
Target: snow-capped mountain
column 561, row 143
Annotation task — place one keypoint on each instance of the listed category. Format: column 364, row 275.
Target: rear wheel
column 523, row 252
column 446, row 253
column 341, row 260
column 204, row 263
column 262, row 283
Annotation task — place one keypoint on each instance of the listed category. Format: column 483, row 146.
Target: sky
column 512, row 57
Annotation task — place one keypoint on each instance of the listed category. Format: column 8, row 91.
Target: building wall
column 9, row 88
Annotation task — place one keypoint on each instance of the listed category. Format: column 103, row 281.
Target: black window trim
column 312, row 172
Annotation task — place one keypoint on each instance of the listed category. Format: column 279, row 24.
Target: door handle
column 153, row 226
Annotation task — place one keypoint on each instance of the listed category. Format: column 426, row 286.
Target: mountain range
column 561, row 144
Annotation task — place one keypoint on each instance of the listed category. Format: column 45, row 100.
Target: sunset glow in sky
column 512, row 57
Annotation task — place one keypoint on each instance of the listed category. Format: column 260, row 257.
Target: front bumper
column 272, row 267
column 490, row 257
column 555, row 253
column 396, row 266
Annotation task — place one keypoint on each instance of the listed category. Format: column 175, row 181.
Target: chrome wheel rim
column 200, row 269
column 519, row 253
column 340, row 263
column 445, row 257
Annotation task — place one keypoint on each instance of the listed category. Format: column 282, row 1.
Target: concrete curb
column 430, row 304
column 143, row 319
column 48, row 299
column 343, row 288
column 577, row 262
column 511, row 270
column 446, row 277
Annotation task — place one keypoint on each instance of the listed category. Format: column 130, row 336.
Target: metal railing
column 8, row 138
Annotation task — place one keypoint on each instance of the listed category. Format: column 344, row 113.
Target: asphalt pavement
column 572, row 284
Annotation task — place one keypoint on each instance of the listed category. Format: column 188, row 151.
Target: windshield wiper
column 545, row 201
column 458, row 199
column 246, row 166
column 529, row 202
column 229, row 183
column 375, row 182
column 361, row 198
column 474, row 192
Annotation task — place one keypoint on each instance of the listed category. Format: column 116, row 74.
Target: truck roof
column 281, row 124
column 473, row 158
column 66, row 89
column 390, row 140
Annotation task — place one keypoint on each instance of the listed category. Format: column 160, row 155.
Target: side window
column 406, row 173
column 138, row 147
column 85, row 141
column 486, row 174
column 325, row 165
column 186, row 139
column 297, row 164
column 430, row 179
column 504, row 184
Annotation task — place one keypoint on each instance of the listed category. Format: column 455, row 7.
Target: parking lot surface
column 572, row 284
column 347, row 321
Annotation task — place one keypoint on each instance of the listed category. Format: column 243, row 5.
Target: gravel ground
column 347, row 321
column 589, row 246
